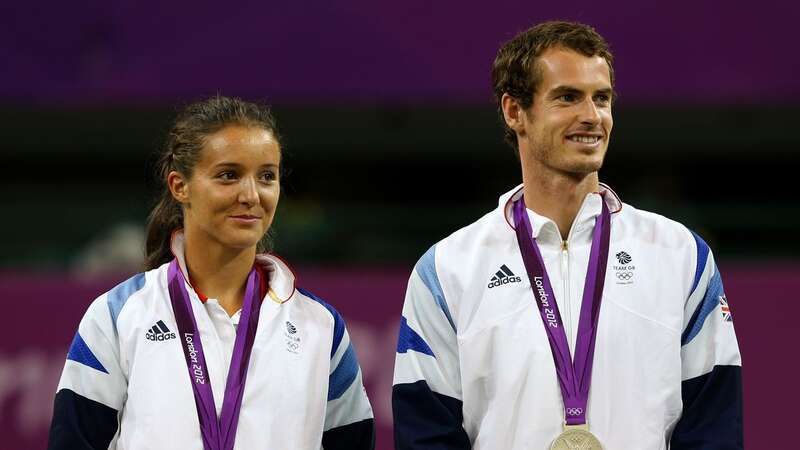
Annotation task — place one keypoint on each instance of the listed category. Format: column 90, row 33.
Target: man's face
column 568, row 126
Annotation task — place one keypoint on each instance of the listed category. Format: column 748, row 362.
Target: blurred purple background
column 123, row 52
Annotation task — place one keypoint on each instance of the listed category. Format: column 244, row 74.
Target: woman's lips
column 246, row 219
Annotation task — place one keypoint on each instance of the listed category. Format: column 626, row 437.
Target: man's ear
column 178, row 187
column 513, row 113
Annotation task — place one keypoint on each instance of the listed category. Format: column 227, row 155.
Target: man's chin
column 589, row 163
column 581, row 169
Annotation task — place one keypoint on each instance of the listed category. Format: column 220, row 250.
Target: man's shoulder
column 468, row 242
column 652, row 227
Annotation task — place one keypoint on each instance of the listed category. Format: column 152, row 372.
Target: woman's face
column 234, row 189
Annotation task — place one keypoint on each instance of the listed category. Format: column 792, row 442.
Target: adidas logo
column 159, row 332
column 503, row 276
column 291, row 329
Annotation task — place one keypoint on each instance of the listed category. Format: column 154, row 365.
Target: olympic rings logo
column 574, row 411
column 624, row 275
column 292, row 345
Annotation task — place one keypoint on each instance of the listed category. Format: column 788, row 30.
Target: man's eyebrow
column 564, row 89
column 561, row 90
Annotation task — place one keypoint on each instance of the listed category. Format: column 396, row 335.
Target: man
column 565, row 318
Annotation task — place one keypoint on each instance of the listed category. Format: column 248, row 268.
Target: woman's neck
column 217, row 271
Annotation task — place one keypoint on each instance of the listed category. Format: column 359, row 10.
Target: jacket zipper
column 567, row 315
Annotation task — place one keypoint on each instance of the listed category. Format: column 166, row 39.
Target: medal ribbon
column 574, row 379
column 218, row 434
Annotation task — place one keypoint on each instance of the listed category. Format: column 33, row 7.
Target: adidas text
column 503, row 276
column 159, row 337
column 503, row 281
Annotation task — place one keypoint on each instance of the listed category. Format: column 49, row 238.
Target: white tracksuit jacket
column 126, row 387
column 474, row 368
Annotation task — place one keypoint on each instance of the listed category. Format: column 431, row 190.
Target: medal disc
column 576, row 439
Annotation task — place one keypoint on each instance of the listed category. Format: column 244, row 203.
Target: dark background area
column 381, row 184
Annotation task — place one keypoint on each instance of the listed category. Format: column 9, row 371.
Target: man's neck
column 217, row 271
column 556, row 195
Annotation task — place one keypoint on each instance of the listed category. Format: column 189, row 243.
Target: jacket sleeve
column 349, row 423
column 426, row 397
column 92, row 388
column 711, row 365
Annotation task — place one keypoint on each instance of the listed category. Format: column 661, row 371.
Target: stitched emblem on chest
column 624, row 272
column 159, row 332
column 292, row 339
column 502, row 277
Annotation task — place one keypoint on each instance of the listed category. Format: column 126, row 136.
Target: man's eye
column 567, row 98
column 602, row 99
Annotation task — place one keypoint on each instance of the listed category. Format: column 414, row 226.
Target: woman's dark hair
column 180, row 153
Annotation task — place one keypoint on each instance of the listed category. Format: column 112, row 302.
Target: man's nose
column 589, row 114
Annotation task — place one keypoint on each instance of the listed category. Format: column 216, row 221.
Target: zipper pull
column 564, row 246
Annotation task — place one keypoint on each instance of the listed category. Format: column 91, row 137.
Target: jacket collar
column 590, row 209
column 281, row 278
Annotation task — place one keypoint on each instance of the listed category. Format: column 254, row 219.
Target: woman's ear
column 178, row 187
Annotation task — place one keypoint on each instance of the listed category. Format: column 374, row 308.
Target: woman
column 213, row 347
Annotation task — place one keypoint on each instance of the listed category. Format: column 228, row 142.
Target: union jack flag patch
column 726, row 310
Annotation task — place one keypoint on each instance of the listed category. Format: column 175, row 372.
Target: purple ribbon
column 218, row 434
column 576, row 378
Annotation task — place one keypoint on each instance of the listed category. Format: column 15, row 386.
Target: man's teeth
column 585, row 139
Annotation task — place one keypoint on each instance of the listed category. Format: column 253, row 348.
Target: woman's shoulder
column 301, row 306
column 142, row 287
column 323, row 308
column 283, row 289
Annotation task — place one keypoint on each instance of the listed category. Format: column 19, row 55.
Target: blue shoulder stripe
column 710, row 301
column 81, row 353
column 344, row 374
column 338, row 322
column 426, row 268
column 121, row 293
column 410, row 340
column 702, row 257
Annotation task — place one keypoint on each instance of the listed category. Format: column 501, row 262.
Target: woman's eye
column 268, row 176
column 227, row 175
